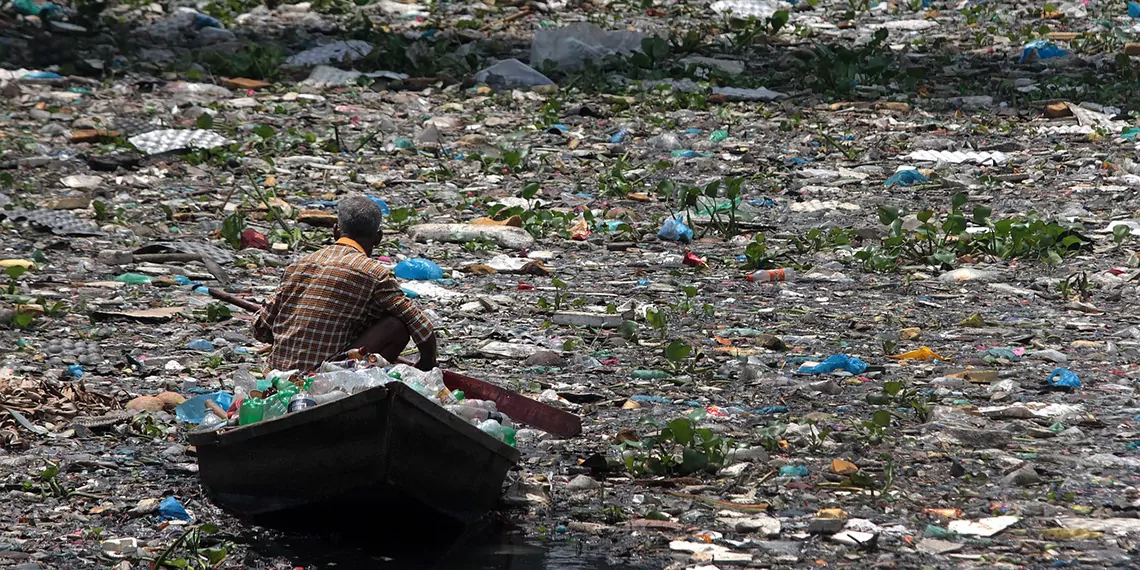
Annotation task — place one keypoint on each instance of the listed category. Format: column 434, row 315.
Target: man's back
column 325, row 302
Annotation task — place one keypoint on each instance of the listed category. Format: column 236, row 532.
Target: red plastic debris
column 692, row 260
column 255, row 239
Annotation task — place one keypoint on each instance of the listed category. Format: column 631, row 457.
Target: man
column 338, row 299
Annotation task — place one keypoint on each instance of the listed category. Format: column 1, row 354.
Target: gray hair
column 359, row 217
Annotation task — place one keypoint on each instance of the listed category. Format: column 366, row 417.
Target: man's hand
column 428, row 354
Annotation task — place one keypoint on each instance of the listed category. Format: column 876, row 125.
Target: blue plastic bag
column 794, row 471
column 204, row 21
column 1133, row 10
column 675, row 230
column 171, row 510
column 1064, row 377
column 193, row 411
column 619, row 136
column 1044, row 49
column 418, row 269
column 908, row 177
column 75, row 371
column 200, row 344
column 384, row 209
column 836, row 362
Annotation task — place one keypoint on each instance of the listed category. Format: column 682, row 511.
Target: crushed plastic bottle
column 767, row 275
column 492, row 428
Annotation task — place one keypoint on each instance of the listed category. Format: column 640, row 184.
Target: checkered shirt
column 326, row 300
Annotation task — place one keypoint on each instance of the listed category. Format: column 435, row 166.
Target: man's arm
column 263, row 321
column 392, row 300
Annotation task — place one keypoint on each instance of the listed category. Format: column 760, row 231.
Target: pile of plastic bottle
column 288, row 392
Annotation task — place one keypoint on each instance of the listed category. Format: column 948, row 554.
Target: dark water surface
column 488, row 551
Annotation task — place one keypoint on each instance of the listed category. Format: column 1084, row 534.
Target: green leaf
column 656, row 318
column 925, row 215
column 209, row 528
column 214, row 555
column 1120, row 233
column 1070, row 241
column 692, row 461
column 682, row 430
column 264, row 131
column 888, row 214
column 959, row 200
column 628, row 330
column 23, row 320
column 205, row 121
column 881, row 418
column 559, row 284
column 893, row 388
column 530, row 190
column 861, row 479
column 697, row 415
column 778, row 21
column 15, row 271
column 690, row 291
column 981, row 214
column 677, row 351
column 944, row 258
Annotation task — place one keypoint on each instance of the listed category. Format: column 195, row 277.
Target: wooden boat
column 386, row 457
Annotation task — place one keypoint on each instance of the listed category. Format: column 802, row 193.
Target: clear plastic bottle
column 492, row 428
column 783, row 274
column 274, row 407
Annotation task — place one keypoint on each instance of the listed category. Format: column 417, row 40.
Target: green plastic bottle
column 134, row 279
column 509, row 436
column 252, row 411
column 650, row 374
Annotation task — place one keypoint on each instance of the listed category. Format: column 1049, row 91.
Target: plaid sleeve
column 263, row 321
column 392, row 300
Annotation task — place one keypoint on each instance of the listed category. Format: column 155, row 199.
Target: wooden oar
column 516, row 406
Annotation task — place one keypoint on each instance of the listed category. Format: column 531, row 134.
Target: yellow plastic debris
column 832, row 514
column 921, row 353
column 1071, row 534
column 25, row 263
column 843, row 467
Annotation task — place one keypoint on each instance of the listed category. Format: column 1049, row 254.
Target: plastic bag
column 674, row 229
column 906, row 177
column 418, row 269
column 511, row 73
column 1040, row 49
column 194, row 410
column 1064, row 377
column 571, row 46
column 836, row 362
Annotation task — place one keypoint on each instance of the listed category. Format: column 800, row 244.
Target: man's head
column 358, row 218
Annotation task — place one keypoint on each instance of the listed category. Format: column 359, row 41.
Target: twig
column 268, row 208
column 222, row 208
column 520, row 14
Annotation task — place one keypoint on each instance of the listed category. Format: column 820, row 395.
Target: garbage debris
column 570, row 47
column 903, row 263
column 836, row 362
